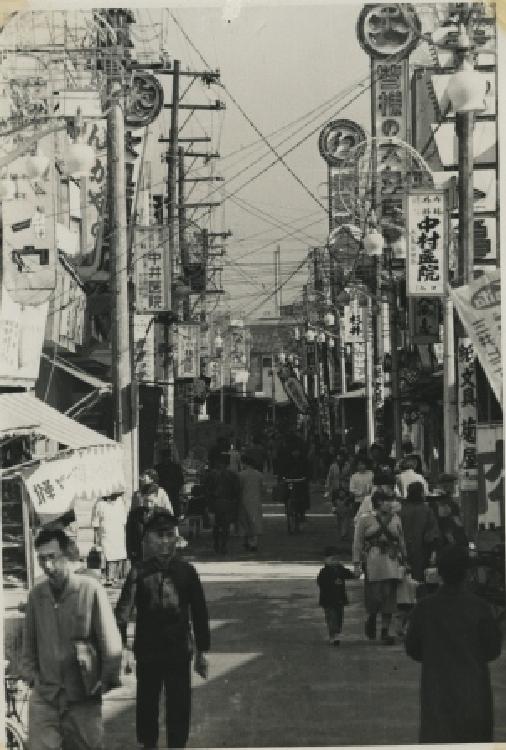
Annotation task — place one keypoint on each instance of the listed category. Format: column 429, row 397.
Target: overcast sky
column 280, row 63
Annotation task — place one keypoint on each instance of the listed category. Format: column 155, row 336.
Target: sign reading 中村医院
column 467, row 415
column 427, row 230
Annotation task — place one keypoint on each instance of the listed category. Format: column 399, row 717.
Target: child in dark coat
column 331, row 582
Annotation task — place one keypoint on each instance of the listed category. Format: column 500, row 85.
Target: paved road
column 274, row 681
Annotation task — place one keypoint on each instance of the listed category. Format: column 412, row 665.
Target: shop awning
column 25, row 414
column 88, row 466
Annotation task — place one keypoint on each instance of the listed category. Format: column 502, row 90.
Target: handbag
column 406, row 589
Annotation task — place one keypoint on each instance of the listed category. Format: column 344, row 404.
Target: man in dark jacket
column 166, row 593
column 223, row 496
column 171, row 479
column 453, row 634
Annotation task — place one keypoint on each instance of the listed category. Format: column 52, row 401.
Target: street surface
column 274, row 681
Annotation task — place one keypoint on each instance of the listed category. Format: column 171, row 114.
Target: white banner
column 427, row 224
column 479, row 308
column 55, row 485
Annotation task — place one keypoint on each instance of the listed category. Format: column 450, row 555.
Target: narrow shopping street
column 274, row 681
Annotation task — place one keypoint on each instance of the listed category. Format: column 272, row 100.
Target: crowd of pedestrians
column 400, row 534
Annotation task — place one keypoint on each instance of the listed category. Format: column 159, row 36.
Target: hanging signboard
column 427, row 227
column 152, row 269
column 238, row 352
column 468, row 416
column 479, row 307
column 144, row 348
column 358, row 363
column 491, row 474
column 353, row 323
column 188, row 351
column 379, row 385
column 424, row 313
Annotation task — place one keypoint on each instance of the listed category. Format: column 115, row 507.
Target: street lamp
column 466, row 88
column 310, row 335
column 329, row 319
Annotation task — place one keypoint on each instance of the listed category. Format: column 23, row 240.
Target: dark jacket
column 166, row 593
column 421, row 534
column 331, row 582
column 453, row 634
column 224, row 490
column 171, row 479
column 134, row 532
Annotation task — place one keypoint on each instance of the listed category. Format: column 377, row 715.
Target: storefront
column 50, row 464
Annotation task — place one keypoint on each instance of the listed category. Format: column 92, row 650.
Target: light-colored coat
column 381, row 565
column 252, row 492
column 51, row 629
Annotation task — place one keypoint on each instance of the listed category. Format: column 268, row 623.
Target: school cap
column 161, row 520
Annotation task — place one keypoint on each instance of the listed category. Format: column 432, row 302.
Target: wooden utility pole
column 118, row 245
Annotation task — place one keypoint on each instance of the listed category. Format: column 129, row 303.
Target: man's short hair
column 452, row 563
column 415, row 491
column 45, row 536
column 150, row 489
column 160, row 520
column 377, row 498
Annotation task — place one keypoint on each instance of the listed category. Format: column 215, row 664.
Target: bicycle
column 16, row 733
column 293, row 503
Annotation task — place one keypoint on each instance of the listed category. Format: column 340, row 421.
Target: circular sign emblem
column 388, row 30
column 337, row 139
column 145, row 100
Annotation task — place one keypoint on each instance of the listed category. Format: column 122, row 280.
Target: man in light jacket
column 71, row 652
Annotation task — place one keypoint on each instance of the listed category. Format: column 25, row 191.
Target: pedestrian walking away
column 454, row 636
column 108, row 519
column 167, row 595
column 71, row 652
column 251, row 495
column 331, row 582
column 379, row 548
column 224, row 490
column 361, row 482
column 171, row 479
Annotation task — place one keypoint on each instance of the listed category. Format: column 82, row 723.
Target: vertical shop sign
column 358, row 363
column 353, row 323
column 188, row 351
column 424, row 319
column 468, row 416
column 144, row 348
column 152, row 270
column 427, row 230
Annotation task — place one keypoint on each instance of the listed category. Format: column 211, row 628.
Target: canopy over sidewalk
column 87, row 465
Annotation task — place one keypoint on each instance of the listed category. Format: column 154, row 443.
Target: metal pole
column 273, row 391
column 118, row 243
column 276, row 284
column 318, row 387
column 171, row 220
column 465, row 266
column 449, row 387
column 396, row 397
column 369, row 392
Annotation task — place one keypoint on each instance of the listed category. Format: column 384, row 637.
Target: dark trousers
column 334, row 620
column 175, row 677
column 221, row 531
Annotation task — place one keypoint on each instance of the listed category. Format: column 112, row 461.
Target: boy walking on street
column 167, row 594
column 331, row 582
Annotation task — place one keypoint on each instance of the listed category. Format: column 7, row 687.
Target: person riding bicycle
column 293, row 464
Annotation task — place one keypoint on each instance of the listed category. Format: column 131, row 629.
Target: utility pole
column 280, row 293
column 276, row 284
column 121, row 361
column 369, row 391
